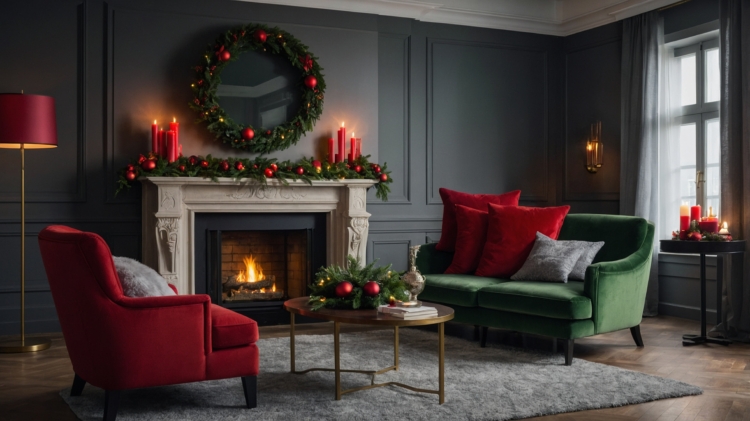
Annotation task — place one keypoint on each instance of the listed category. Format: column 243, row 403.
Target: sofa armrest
column 431, row 261
column 618, row 289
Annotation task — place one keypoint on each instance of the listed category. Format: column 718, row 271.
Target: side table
column 703, row 248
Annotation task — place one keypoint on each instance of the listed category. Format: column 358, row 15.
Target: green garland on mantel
column 259, row 169
column 323, row 291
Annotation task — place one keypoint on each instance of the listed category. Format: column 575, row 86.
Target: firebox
column 252, row 263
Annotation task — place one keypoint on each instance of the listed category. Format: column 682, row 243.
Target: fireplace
column 253, row 262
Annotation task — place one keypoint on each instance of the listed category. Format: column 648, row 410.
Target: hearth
column 253, row 262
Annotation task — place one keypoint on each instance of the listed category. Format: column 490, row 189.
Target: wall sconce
column 595, row 148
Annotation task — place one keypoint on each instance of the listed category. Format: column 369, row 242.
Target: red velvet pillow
column 452, row 198
column 511, row 232
column 470, row 238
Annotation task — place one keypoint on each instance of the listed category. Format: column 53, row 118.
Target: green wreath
column 229, row 46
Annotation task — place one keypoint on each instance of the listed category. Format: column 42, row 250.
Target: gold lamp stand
column 24, row 344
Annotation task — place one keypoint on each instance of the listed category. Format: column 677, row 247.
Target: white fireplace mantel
column 170, row 204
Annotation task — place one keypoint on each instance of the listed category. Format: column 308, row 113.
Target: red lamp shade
column 27, row 120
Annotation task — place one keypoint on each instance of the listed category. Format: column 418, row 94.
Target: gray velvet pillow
column 589, row 253
column 139, row 280
column 549, row 260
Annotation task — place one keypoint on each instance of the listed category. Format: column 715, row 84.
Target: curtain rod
column 672, row 5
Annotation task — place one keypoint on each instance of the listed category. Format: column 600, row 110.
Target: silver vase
column 413, row 279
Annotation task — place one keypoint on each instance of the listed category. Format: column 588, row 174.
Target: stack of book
column 409, row 313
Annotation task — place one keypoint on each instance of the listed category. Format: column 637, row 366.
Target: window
column 696, row 72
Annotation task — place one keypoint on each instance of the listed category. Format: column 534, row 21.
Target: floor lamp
column 26, row 122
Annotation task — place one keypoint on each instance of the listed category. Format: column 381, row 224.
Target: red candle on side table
column 684, row 217
column 695, row 213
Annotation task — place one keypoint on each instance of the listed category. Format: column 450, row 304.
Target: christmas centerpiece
column 260, row 169
column 693, row 227
column 356, row 286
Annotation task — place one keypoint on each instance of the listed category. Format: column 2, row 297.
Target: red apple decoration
column 343, row 289
column 371, row 288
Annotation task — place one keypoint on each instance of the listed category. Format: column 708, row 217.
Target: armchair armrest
column 174, row 288
column 431, row 261
column 618, row 288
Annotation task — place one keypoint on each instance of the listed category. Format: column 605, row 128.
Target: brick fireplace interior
column 253, row 262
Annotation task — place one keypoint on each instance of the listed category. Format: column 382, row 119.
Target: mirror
column 260, row 90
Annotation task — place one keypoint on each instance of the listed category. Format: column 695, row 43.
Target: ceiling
column 549, row 17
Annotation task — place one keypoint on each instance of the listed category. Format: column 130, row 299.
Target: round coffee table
column 374, row 318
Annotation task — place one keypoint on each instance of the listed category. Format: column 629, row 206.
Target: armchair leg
column 569, row 351
column 483, row 342
column 636, row 332
column 78, row 384
column 476, row 332
column 111, row 402
column 250, row 387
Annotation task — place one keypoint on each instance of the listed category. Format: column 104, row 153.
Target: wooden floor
column 29, row 383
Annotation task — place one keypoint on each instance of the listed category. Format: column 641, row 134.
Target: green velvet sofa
column 611, row 297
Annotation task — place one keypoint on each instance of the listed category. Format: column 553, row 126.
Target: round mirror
column 260, row 90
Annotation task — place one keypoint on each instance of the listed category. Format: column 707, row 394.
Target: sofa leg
column 568, row 351
column 111, row 402
column 78, row 384
column 636, row 332
column 483, row 343
column 250, row 387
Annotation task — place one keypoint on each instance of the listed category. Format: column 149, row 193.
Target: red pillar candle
column 331, row 153
column 162, row 143
column 359, row 148
column 352, row 148
column 684, row 217
column 155, row 138
column 175, row 127
column 172, row 146
column 342, row 144
column 695, row 213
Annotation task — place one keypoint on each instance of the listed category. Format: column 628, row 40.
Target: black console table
column 703, row 248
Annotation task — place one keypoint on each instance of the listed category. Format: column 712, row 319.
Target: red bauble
column 255, row 166
column 694, row 236
column 377, row 169
column 204, row 164
column 299, row 170
column 130, row 175
column 273, row 167
column 311, row 81
column 383, row 177
column 193, row 160
column 130, row 167
column 248, row 133
column 224, row 166
column 371, row 288
column 181, row 168
column 148, row 164
column 357, row 168
column 268, row 172
column 343, row 289
column 141, row 158
column 316, row 164
column 238, row 165
column 225, row 55
column 268, row 133
column 260, row 36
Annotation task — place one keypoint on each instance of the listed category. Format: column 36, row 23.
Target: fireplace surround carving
column 170, row 204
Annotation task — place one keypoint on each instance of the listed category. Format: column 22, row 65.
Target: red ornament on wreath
column 311, row 81
column 371, row 288
column 383, row 177
column 148, row 164
column 248, row 133
column 224, row 166
column 130, row 175
column 299, row 170
column 238, row 165
column 260, row 36
column 273, row 167
column 344, row 288
column 268, row 172
column 225, row 55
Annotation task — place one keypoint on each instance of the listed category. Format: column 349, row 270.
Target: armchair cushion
column 139, row 280
column 230, row 329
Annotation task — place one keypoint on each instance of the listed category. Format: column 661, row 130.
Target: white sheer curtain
column 670, row 158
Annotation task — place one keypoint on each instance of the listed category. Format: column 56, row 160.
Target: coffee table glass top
column 365, row 316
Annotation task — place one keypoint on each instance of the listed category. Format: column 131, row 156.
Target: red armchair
column 118, row 343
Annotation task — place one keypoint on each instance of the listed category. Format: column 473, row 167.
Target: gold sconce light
column 594, row 148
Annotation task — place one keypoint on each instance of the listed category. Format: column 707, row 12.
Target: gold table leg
column 395, row 347
column 441, row 362
column 291, row 341
column 337, row 364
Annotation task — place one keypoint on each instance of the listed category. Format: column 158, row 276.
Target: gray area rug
column 493, row 383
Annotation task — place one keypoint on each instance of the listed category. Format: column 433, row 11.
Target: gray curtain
column 639, row 171
column 735, row 156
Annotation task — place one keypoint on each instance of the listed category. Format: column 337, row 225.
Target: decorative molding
column 430, row 150
column 266, row 192
column 548, row 17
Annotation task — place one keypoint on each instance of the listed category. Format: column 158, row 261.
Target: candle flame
column 154, row 121
column 174, row 119
column 342, row 124
column 724, row 225
column 353, row 134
